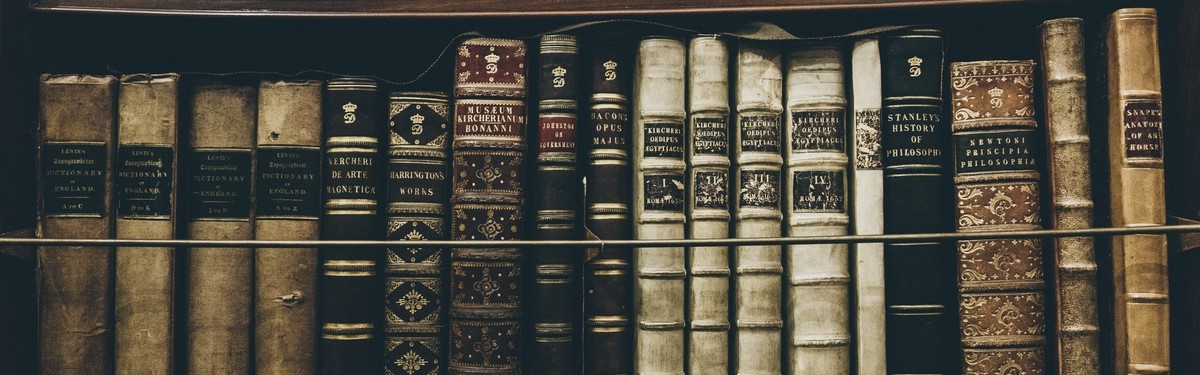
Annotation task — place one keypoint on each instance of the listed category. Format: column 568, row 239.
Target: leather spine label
column 220, row 184
column 760, row 133
column 417, row 181
column 73, row 179
column 914, row 136
column 1014, row 150
column 288, row 182
column 710, row 135
column 489, row 118
column 349, row 175
column 556, row 133
column 712, row 189
column 1142, row 120
column 867, row 148
column 819, row 130
column 144, row 181
column 664, row 140
column 819, row 191
column 759, row 188
column 664, row 193
column 608, row 126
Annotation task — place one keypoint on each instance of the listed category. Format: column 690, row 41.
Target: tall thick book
column 556, row 295
column 996, row 161
column 77, row 115
column 920, row 280
column 659, row 193
column 146, row 165
column 1135, row 154
column 486, row 204
column 350, row 286
column 708, row 211
column 287, row 206
column 608, row 302
column 815, row 186
column 758, row 282
column 866, row 196
column 418, row 195
column 219, row 182
column 1076, row 338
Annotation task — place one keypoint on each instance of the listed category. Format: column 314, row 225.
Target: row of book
column 705, row 138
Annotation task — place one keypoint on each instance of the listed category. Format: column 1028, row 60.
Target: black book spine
column 556, row 308
column 920, row 277
column 350, row 287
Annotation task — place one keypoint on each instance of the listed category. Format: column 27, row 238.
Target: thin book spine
column 758, row 164
column 148, row 143
column 815, row 186
column 287, row 203
column 867, row 204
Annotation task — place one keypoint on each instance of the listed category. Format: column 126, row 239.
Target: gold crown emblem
column 914, row 61
column 995, row 92
column 350, row 107
column 417, row 119
column 492, row 58
column 559, row 71
column 610, row 65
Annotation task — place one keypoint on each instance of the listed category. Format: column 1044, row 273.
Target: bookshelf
column 397, row 40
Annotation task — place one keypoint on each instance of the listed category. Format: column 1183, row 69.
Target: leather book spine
column 659, row 193
column 922, row 328
column 147, row 145
column 758, row 283
column 77, row 121
column 997, row 156
column 220, row 180
column 608, row 301
column 866, row 191
column 708, row 211
column 1070, row 190
column 287, row 206
column 815, row 184
column 418, row 193
column 487, row 204
column 1141, row 326
column 350, row 285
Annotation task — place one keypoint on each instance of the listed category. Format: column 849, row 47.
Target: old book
column 708, row 211
column 350, row 287
column 866, row 195
column 996, row 161
column 287, row 201
column 818, row 275
column 1070, row 190
column 77, row 115
column 418, row 193
column 920, row 281
column 487, row 204
column 608, row 301
column 219, row 181
column 147, row 145
column 758, row 283
column 1135, row 153
column 659, row 193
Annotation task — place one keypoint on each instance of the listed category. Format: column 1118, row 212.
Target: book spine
column 75, row 153
column 486, row 204
column 556, row 307
column 815, row 186
column 147, row 143
column 350, row 288
column 220, row 181
column 609, row 299
column 287, row 206
column 867, row 216
column 921, row 323
column 1139, row 262
column 996, row 159
column 418, row 192
column 1070, row 191
column 659, row 194
column 708, row 211
column 758, row 284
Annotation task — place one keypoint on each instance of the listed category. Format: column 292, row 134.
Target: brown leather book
column 287, row 203
column 76, row 143
column 146, row 167
column 1000, row 281
column 1070, row 189
column 1135, row 152
column 219, row 184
